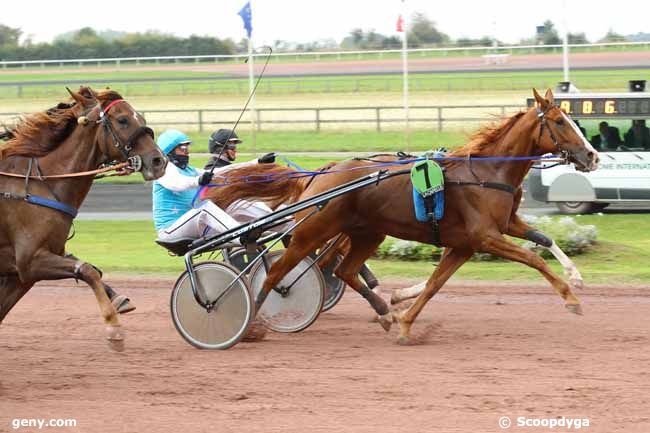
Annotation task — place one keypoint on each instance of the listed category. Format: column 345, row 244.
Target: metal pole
column 565, row 51
column 405, row 73
column 251, row 86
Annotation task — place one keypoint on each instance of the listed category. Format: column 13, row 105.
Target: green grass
column 621, row 256
column 464, row 81
column 343, row 141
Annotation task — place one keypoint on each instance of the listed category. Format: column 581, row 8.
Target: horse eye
column 123, row 121
column 559, row 122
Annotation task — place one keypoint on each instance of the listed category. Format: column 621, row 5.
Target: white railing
column 316, row 54
column 378, row 118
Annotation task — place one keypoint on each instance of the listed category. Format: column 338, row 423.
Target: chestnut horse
column 480, row 201
column 36, row 212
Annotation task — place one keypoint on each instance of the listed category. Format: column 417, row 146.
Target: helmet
column 170, row 139
column 218, row 140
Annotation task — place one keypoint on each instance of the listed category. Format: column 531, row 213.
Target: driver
column 222, row 144
column 174, row 216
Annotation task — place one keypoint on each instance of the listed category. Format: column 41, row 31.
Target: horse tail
column 270, row 183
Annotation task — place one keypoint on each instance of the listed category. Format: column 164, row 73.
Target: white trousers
column 207, row 219
column 245, row 211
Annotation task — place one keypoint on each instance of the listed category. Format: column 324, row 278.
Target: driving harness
column 135, row 162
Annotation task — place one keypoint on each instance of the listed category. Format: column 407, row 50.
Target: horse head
column 558, row 133
column 121, row 133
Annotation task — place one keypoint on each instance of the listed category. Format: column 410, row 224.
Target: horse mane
column 487, row 136
column 40, row 133
column 269, row 183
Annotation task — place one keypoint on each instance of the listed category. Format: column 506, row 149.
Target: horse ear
column 549, row 96
column 82, row 99
column 541, row 101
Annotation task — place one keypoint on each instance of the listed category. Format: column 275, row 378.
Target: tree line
column 88, row 43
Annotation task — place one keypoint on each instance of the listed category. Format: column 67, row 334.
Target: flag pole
column 251, row 84
column 565, row 42
column 251, row 87
column 405, row 74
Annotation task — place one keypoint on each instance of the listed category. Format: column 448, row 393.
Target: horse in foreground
column 38, row 205
column 480, row 201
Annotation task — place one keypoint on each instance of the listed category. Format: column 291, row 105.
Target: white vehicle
column 624, row 170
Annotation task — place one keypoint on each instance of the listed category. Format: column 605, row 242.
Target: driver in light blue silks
column 173, row 194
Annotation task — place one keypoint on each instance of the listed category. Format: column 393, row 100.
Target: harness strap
column 322, row 170
column 429, row 203
column 52, row 204
column 492, row 185
column 42, row 201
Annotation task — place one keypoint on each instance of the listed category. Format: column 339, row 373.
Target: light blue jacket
column 171, row 198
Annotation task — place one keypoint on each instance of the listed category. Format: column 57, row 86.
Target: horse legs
column 44, row 265
column 450, row 262
column 298, row 249
column 11, row 290
column 400, row 295
column 361, row 248
column 501, row 247
column 121, row 303
column 341, row 248
column 519, row 229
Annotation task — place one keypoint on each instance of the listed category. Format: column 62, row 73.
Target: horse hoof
column 114, row 333
column 403, row 340
column 577, row 283
column 395, row 298
column 256, row 332
column 116, row 345
column 386, row 321
column 122, row 304
column 575, row 309
column 115, row 337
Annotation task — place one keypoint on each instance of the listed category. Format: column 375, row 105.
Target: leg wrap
column 79, row 265
column 374, row 300
column 539, row 238
column 368, row 276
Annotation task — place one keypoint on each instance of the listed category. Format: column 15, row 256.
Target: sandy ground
column 485, row 351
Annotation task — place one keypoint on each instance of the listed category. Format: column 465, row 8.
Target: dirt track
column 484, row 352
column 328, row 66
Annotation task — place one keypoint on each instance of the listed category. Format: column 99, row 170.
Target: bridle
column 125, row 148
column 541, row 115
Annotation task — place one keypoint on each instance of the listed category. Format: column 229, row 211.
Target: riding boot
column 368, row 277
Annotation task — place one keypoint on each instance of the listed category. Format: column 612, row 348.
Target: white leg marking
column 570, row 269
column 407, row 293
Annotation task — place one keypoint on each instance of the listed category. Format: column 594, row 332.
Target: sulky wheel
column 225, row 324
column 334, row 286
column 238, row 258
column 290, row 308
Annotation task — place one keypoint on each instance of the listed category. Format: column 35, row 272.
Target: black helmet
column 218, row 140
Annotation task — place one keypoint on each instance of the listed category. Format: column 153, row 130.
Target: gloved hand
column 205, row 178
column 266, row 159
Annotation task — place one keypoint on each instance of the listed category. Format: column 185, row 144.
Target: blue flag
column 247, row 15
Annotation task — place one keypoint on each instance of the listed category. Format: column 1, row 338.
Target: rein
column 62, row 176
column 257, row 178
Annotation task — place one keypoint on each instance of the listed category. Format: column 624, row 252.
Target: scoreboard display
column 601, row 106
